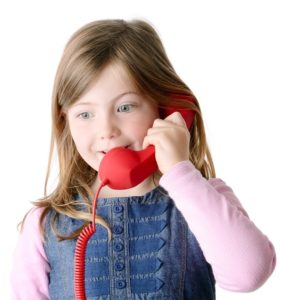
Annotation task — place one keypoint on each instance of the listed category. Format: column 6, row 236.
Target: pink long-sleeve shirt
column 241, row 256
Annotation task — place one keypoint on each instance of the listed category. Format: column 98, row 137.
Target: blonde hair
column 138, row 47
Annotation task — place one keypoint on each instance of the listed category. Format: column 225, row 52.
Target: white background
column 228, row 52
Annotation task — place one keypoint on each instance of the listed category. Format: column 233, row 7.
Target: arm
column 242, row 258
column 30, row 266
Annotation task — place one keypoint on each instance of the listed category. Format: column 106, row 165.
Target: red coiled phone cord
column 79, row 262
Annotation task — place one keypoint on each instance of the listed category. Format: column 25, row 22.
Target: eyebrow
column 114, row 99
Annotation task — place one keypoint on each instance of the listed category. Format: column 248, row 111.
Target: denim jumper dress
column 152, row 254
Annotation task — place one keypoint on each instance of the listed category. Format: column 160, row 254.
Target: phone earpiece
column 187, row 114
column 123, row 168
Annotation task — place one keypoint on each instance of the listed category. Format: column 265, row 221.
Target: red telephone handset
column 124, row 168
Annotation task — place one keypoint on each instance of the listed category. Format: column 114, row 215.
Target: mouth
column 106, row 151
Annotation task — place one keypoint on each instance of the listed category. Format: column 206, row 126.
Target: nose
column 108, row 128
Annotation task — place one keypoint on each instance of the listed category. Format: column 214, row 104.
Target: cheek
column 143, row 124
column 80, row 139
column 138, row 130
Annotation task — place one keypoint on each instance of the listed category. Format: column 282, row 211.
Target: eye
column 125, row 108
column 85, row 115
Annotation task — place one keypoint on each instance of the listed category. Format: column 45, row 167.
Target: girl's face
column 110, row 114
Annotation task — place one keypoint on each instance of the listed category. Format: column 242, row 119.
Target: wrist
column 179, row 166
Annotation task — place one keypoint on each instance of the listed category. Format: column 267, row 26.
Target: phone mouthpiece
column 124, row 168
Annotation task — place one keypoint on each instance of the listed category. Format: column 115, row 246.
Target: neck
column 145, row 186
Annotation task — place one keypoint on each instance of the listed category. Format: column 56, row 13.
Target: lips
column 105, row 151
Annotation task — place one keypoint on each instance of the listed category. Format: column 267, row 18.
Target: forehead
column 115, row 72
column 112, row 80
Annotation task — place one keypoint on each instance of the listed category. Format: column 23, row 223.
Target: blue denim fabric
column 153, row 254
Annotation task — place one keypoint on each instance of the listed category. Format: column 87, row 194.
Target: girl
column 170, row 237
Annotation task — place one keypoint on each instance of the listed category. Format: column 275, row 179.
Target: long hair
column 137, row 46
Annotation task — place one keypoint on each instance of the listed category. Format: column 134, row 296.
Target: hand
column 171, row 139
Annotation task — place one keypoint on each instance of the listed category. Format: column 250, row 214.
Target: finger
column 169, row 121
column 163, row 130
column 177, row 119
column 146, row 142
column 153, row 138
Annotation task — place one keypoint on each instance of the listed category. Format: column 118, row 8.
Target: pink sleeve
column 30, row 270
column 242, row 258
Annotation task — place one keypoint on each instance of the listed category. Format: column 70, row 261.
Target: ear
column 187, row 114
